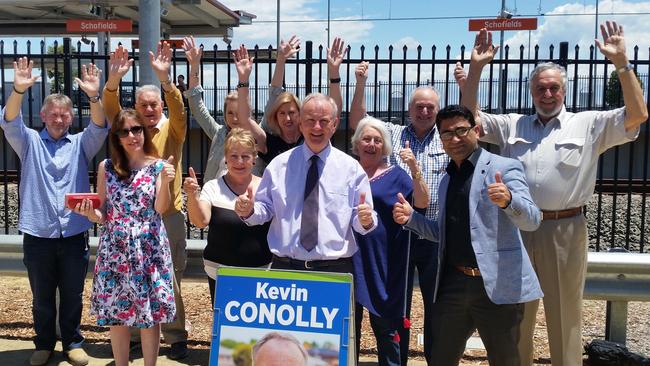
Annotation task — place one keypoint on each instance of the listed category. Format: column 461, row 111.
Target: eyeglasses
column 460, row 132
column 135, row 130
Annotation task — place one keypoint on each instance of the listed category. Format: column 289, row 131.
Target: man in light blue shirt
column 55, row 244
column 344, row 200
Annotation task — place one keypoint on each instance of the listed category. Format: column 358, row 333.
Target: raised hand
column 460, row 75
column 168, row 172
column 498, row 192
column 364, row 212
column 192, row 52
column 23, row 78
column 402, row 210
column 119, row 63
column 89, row 81
column 483, row 51
column 361, row 71
column 336, row 53
column 161, row 62
column 613, row 44
column 288, row 49
column 243, row 62
column 244, row 204
column 191, row 184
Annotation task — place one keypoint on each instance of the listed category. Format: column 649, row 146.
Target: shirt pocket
column 570, row 151
column 516, row 147
column 336, row 199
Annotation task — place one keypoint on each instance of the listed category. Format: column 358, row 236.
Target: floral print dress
column 133, row 271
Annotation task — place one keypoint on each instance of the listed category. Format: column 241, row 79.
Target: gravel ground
column 16, row 321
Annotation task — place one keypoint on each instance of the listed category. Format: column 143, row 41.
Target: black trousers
column 461, row 307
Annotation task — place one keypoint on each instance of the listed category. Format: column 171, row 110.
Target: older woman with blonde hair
column 381, row 263
column 230, row 241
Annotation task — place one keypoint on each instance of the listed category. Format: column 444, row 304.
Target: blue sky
column 446, row 23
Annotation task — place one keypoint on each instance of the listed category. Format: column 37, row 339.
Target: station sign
column 499, row 24
column 94, row 26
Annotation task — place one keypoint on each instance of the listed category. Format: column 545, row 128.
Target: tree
column 57, row 79
column 614, row 94
column 242, row 355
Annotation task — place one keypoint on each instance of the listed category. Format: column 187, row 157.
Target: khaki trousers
column 175, row 226
column 558, row 251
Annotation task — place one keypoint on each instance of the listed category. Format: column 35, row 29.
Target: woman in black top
column 230, row 241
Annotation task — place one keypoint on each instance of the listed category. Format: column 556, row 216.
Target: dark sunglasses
column 135, row 130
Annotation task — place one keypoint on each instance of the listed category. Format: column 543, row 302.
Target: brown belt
column 469, row 271
column 561, row 214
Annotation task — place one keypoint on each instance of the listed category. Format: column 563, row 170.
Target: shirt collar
column 307, row 153
column 559, row 117
column 471, row 159
column 160, row 123
column 46, row 136
column 426, row 137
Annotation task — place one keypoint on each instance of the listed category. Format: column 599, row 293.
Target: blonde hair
column 58, row 100
column 271, row 118
column 378, row 125
column 241, row 137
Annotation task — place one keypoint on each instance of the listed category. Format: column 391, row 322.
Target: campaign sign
column 312, row 308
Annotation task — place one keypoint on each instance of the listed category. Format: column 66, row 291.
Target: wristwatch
column 94, row 99
column 628, row 67
column 242, row 85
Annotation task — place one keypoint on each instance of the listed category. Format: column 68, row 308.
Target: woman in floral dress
column 133, row 271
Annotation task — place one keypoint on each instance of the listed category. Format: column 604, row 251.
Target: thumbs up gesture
column 498, row 192
column 244, row 204
column 168, row 173
column 191, row 184
column 408, row 158
column 364, row 212
column 402, row 210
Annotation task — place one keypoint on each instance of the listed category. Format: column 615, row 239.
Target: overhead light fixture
column 85, row 39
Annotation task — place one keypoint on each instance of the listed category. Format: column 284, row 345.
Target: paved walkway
column 16, row 352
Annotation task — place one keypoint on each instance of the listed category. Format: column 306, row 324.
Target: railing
column 618, row 215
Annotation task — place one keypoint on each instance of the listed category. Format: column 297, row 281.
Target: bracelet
column 16, row 90
column 110, row 90
column 628, row 67
column 94, row 99
column 243, row 85
column 417, row 175
column 335, row 80
column 166, row 82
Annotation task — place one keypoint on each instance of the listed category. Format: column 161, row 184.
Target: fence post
column 564, row 54
column 309, row 45
column 67, row 67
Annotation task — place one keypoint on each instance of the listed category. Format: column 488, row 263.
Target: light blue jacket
column 507, row 273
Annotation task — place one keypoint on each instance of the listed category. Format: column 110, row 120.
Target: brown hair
column 118, row 155
column 271, row 118
column 239, row 136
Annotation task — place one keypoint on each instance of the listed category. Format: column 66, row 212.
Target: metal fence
column 618, row 213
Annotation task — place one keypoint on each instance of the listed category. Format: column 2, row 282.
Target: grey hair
column 148, row 88
column 548, row 66
column 321, row 97
column 377, row 125
column 59, row 100
column 281, row 336
column 424, row 88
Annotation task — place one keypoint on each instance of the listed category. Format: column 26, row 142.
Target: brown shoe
column 40, row 357
column 77, row 357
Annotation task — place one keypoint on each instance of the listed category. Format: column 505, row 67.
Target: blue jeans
column 424, row 257
column 388, row 350
column 56, row 263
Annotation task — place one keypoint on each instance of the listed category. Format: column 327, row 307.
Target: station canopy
column 178, row 17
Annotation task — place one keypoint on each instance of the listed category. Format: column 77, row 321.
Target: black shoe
column 178, row 351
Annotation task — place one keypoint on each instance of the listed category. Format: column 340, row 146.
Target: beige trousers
column 558, row 251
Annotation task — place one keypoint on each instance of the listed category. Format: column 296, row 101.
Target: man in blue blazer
column 484, row 273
